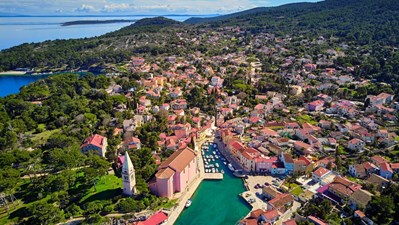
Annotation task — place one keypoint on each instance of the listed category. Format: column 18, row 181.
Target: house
column 362, row 170
column 156, row 219
column 395, row 167
column 316, row 220
column 378, row 160
column 325, row 162
column 247, row 158
column 382, row 98
column 356, row 144
column 357, row 171
column 289, row 222
column 264, row 164
column 175, row 173
column 134, row 143
column 137, row 61
column 386, row 170
column 281, row 203
column 278, row 168
column 359, row 199
column 378, row 181
column 287, row 161
column 315, row 105
column 320, row 173
column 270, row 193
column 303, row 165
column 343, row 188
column 270, row 216
column 95, row 143
column 303, row 148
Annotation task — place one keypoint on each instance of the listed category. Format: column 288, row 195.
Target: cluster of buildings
column 275, row 136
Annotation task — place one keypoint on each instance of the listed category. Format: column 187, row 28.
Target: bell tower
column 128, row 176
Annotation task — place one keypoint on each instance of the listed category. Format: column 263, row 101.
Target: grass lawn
column 306, row 119
column 42, row 137
column 107, row 187
column 18, row 211
column 297, row 191
column 167, row 205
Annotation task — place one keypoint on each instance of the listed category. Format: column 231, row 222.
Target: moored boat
column 188, row 203
column 231, row 168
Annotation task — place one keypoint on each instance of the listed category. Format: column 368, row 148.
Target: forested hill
column 145, row 36
column 364, row 21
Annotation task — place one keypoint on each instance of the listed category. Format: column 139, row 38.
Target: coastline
column 12, row 73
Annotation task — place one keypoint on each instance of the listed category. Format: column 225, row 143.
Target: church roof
column 127, row 163
column 179, row 160
column 165, row 173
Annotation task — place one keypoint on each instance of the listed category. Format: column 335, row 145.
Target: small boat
column 217, row 165
column 188, row 203
column 231, row 167
column 214, row 152
column 224, row 162
column 216, row 157
column 222, row 171
column 213, row 170
column 239, row 173
column 215, row 145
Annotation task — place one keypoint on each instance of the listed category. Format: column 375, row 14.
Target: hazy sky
column 50, row 7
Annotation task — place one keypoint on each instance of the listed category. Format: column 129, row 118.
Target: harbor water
column 216, row 202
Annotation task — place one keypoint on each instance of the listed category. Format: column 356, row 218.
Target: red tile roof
column 156, row 219
column 320, row 172
column 96, row 140
column 386, row 167
column 317, row 220
column 395, row 166
column 271, row 214
column 289, row 222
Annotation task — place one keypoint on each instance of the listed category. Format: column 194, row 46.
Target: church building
column 128, row 176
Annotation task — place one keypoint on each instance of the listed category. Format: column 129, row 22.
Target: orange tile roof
column 96, row 140
column 281, row 200
column 289, row 222
column 320, row 172
column 165, row 173
column 271, row 214
column 179, row 159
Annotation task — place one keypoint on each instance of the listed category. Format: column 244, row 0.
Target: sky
column 133, row 7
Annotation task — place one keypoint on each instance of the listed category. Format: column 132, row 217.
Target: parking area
column 255, row 183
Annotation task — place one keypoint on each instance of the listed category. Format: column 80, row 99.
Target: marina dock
column 252, row 200
column 213, row 176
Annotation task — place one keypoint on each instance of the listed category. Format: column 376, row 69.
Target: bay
column 216, row 202
column 10, row 84
column 18, row 30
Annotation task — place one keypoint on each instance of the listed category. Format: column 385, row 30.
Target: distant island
column 87, row 22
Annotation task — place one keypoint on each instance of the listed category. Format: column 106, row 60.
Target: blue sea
column 18, row 30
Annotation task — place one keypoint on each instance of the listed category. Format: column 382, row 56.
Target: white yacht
column 188, row 203
column 231, row 168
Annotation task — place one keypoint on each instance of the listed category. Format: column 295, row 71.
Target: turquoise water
column 216, row 202
column 11, row 84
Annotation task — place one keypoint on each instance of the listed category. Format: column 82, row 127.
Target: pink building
column 175, row 173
